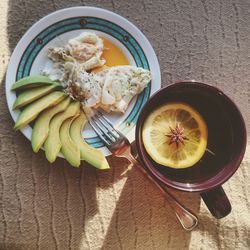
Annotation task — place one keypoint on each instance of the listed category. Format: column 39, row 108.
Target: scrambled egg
column 80, row 54
column 120, row 84
column 111, row 89
column 84, row 50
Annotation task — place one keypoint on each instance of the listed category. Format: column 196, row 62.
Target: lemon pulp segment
column 175, row 135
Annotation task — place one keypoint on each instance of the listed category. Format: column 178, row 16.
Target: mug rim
column 210, row 183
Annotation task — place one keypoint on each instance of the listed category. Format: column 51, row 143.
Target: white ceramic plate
column 30, row 56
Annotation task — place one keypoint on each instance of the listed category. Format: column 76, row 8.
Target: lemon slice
column 175, row 135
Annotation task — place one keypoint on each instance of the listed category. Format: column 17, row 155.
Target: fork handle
column 187, row 219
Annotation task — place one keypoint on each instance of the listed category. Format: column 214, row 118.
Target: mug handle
column 217, row 202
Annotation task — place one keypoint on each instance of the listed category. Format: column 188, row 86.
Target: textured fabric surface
column 45, row 206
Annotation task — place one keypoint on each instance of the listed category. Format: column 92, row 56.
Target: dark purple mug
column 226, row 143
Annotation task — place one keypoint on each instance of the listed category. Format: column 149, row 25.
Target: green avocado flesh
column 52, row 144
column 69, row 149
column 32, row 110
column 88, row 153
column 33, row 94
column 32, row 81
column 41, row 128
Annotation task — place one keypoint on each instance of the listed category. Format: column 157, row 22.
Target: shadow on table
column 143, row 218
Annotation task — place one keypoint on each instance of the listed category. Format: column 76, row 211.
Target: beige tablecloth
column 45, row 206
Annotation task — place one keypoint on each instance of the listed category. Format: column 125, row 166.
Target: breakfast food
column 52, row 129
column 53, row 144
column 40, row 130
column 83, row 52
column 175, row 135
column 120, row 84
column 85, row 89
column 91, row 155
column 32, row 81
column 113, row 54
column 77, row 82
column 110, row 88
column 31, row 95
column 32, row 110
column 69, row 149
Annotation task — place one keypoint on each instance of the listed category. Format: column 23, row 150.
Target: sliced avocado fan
column 32, row 110
column 32, row 81
column 33, row 94
column 52, row 144
column 41, row 128
column 59, row 124
column 69, row 149
column 91, row 155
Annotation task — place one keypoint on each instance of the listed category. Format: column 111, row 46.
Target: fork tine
column 107, row 125
column 106, row 119
column 99, row 132
column 101, row 115
column 104, row 129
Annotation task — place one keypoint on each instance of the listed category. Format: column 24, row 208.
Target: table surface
column 45, row 206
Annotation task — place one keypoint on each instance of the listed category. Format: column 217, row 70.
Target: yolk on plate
column 113, row 54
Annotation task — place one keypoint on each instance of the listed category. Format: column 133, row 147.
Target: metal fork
column 119, row 146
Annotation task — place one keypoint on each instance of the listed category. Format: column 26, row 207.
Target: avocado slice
column 32, row 81
column 41, row 128
column 32, row 110
column 88, row 153
column 69, row 148
column 33, row 94
column 52, row 144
